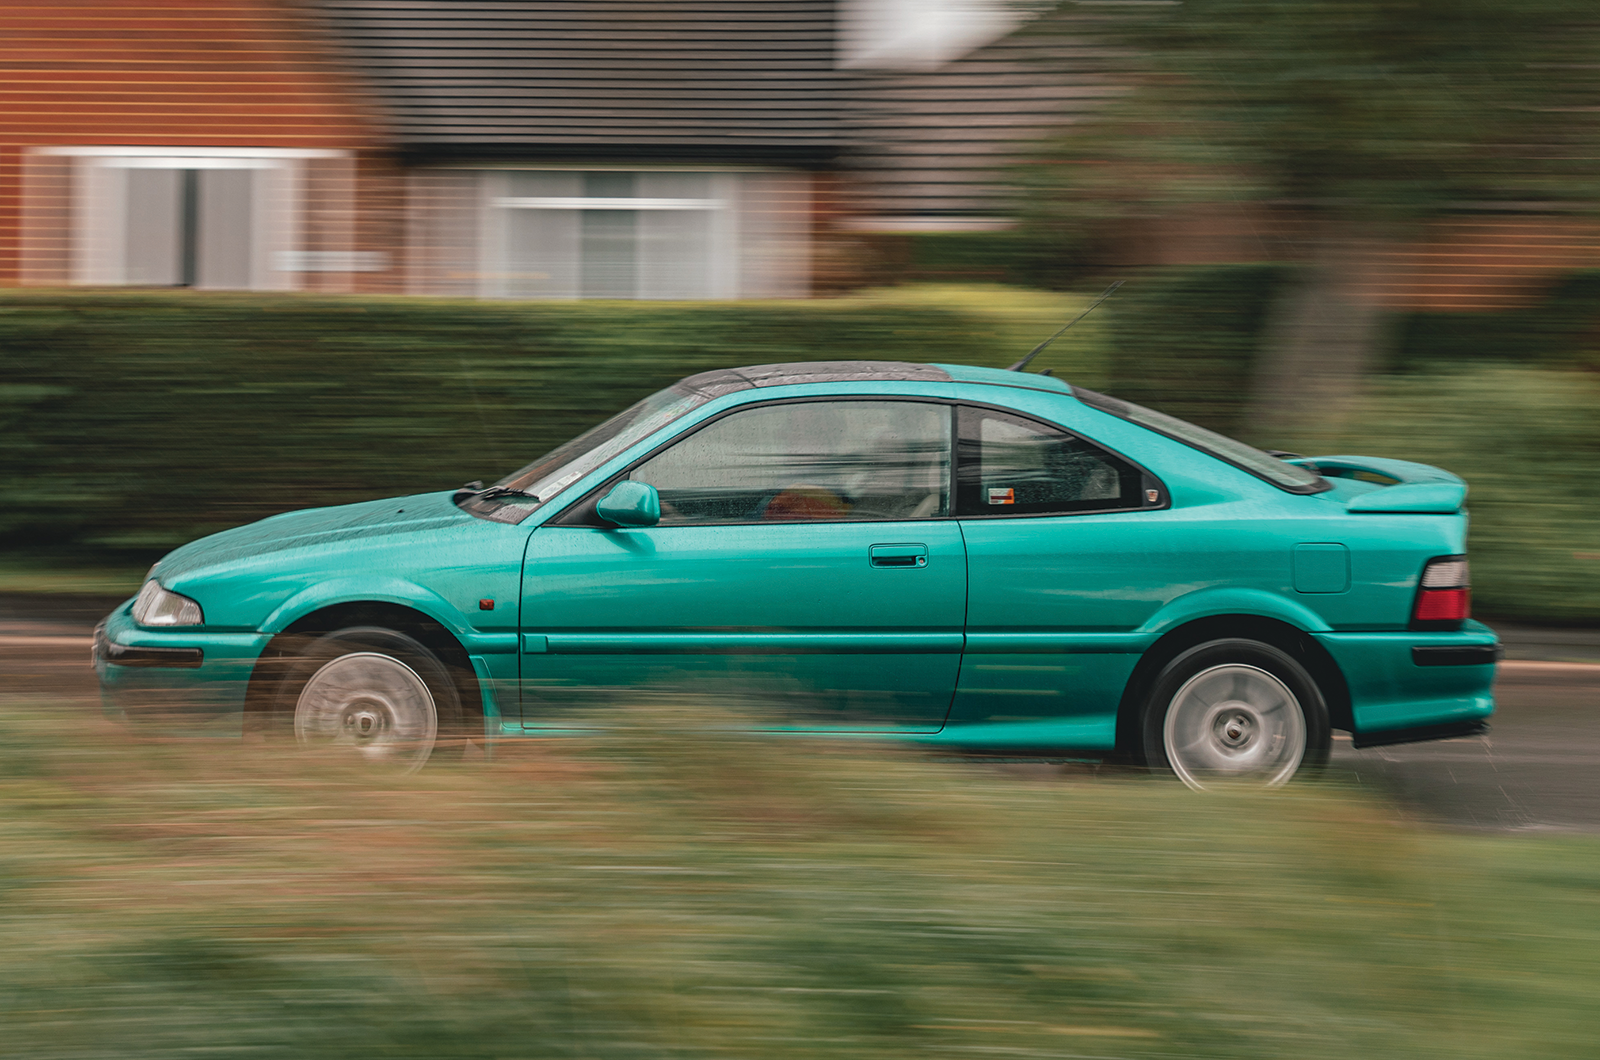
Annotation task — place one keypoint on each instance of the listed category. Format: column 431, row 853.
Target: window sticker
column 1002, row 496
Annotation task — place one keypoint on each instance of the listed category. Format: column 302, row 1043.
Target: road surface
column 1538, row 769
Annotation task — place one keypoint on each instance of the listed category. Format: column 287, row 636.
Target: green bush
column 1559, row 329
column 1505, row 400
column 130, row 423
column 1185, row 340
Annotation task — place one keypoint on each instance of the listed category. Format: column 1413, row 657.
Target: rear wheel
column 1235, row 712
column 378, row 694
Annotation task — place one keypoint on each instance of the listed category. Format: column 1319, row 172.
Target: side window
column 1010, row 465
column 808, row 461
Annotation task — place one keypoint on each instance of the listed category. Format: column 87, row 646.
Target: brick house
column 575, row 148
column 504, row 148
column 207, row 143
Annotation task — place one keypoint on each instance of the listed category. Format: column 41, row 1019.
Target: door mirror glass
column 631, row 504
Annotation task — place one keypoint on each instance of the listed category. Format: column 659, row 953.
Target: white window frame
column 99, row 205
column 723, row 206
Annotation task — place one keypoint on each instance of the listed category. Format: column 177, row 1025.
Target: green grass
column 661, row 894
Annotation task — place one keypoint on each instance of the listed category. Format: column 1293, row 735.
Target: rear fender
column 1225, row 601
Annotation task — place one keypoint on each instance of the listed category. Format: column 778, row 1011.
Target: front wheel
column 1235, row 712
column 375, row 693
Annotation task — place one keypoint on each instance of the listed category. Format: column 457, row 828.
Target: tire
column 379, row 693
column 1235, row 712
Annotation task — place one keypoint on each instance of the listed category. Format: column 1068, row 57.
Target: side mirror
column 631, row 504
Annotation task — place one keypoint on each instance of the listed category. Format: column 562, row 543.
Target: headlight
column 157, row 607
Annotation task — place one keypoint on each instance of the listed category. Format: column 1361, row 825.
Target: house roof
column 935, row 143
column 739, row 81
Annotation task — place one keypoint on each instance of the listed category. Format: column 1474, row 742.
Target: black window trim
column 581, row 513
column 1150, row 480
column 1101, row 403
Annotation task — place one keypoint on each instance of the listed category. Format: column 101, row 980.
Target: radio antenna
column 1022, row 365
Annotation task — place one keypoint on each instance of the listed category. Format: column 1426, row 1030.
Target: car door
column 805, row 569
column 1057, row 529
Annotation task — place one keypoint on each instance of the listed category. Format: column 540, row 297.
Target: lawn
column 664, row 891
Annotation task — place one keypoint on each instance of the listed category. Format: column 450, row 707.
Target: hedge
column 131, row 422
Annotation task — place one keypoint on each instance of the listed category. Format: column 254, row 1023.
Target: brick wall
column 1489, row 263
column 216, row 73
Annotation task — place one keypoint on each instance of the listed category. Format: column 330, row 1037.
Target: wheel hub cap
column 1235, row 726
column 372, row 704
column 1236, row 723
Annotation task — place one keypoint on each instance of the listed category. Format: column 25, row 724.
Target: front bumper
column 1409, row 686
column 179, row 680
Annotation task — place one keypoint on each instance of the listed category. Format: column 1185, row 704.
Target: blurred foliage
column 1184, row 341
column 1561, row 329
column 131, row 423
column 662, row 892
column 1506, row 400
column 1352, row 108
column 135, row 422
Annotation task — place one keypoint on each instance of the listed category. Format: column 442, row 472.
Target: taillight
column 1444, row 596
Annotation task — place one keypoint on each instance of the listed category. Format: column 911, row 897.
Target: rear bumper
column 1453, row 730
column 1410, row 686
column 174, row 680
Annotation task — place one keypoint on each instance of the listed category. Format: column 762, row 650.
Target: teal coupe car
column 978, row 560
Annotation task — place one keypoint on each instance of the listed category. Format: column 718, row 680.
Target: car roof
column 728, row 380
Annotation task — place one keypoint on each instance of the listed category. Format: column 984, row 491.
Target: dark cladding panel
column 693, row 80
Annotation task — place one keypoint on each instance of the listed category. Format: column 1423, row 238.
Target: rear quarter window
column 1289, row 477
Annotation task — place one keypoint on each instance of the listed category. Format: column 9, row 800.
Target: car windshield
column 1291, row 477
column 566, row 464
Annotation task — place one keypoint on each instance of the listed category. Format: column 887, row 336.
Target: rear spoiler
column 1420, row 489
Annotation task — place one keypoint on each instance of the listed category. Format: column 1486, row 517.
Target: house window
column 611, row 234
column 212, row 218
column 591, row 233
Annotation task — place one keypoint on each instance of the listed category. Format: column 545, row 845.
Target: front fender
column 388, row 590
column 1207, row 603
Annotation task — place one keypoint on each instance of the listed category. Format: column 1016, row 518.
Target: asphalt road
column 1538, row 769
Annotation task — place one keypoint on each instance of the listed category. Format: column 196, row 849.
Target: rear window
column 1291, row 477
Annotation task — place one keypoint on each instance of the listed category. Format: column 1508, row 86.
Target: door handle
column 898, row 555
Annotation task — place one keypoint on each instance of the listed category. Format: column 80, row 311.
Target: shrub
column 133, row 422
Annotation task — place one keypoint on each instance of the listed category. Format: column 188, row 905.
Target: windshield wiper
column 477, row 492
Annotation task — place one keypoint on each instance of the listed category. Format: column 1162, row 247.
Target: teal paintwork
column 1321, row 567
column 631, row 504
column 1389, row 691
column 207, row 700
column 1002, row 632
column 1425, row 498
column 750, row 614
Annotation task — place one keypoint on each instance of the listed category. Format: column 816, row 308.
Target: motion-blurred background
column 258, row 255
column 1346, row 225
